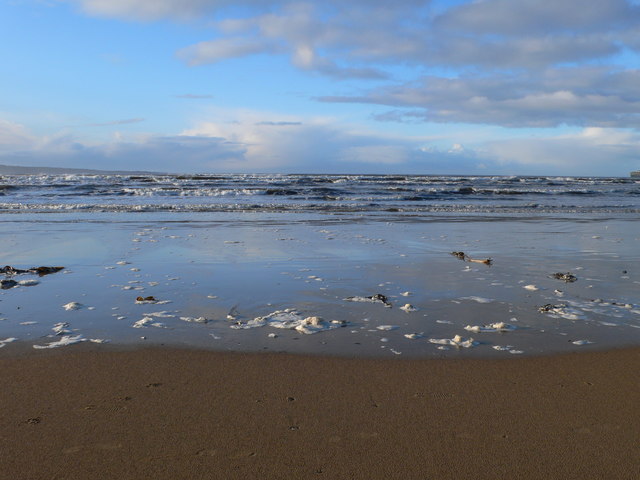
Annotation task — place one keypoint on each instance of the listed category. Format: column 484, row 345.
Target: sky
column 488, row 87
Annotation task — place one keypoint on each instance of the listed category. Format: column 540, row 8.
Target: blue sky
column 365, row 86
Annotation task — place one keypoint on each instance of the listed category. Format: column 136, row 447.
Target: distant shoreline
column 17, row 170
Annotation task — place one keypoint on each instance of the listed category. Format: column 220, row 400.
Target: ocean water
column 373, row 194
column 298, row 263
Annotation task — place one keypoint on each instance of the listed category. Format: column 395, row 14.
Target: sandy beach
column 293, row 343
column 303, row 239
column 79, row 413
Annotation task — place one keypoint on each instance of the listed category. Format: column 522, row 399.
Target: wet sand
column 228, row 270
column 88, row 412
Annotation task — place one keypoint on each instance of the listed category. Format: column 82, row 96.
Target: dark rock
column 41, row 271
column 548, row 307
column 9, row 270
column 378, row 297
column 146, row 299
column 7, row 284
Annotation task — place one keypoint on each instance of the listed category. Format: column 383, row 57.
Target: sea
column 371, row 194
column 355, row 265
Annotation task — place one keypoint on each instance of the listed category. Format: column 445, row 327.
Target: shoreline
column 24, row 348
column 162, row 412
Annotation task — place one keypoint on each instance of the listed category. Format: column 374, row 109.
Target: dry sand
column 172, row 414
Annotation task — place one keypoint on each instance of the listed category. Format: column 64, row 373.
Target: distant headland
column 17, row 170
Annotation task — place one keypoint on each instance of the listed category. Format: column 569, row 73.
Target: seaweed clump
column 565, row 277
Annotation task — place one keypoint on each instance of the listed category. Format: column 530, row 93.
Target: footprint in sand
column 243, row 454
column 207, row 452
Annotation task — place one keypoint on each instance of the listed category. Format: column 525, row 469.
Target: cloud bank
column 251, row 143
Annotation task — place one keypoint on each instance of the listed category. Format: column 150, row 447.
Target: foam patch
column 456, row 341
column 493, row 327
column 288, row 319
column 63, row 342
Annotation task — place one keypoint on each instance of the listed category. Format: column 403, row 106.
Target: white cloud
column 376, row 154
column 171, row 9
column 287, row 143
column 149, row 9
column 298, row 30
column 361, row 36
column 224, row 48
column 18, row 146
column 523, row 63
column 574, row 96
column 594, row 151
column 524, row 52
column 244, row 142
column 457, row 148
column 14, row 136
column 514, row 18
column 262, row 142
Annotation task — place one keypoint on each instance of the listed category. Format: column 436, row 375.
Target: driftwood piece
column 486, row 261
column 464, row 257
